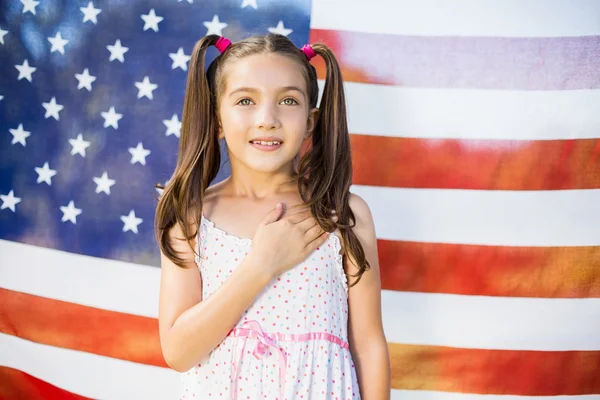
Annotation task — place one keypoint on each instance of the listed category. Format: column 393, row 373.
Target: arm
column 189, row 327
column 367, row 339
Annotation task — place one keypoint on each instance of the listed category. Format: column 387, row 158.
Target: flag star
column 117, row 51
column 25, row 70
column 145, row 88
column 215, row 27
column 29, row 5
column 251, row 3
column 151, row 20
column 90, row 13
column 111, row 118
column 19, row 135
column 1, row 97
column 2, row 34
column 104, row 183
column 70, row 213
column 189, row 1
column 139, row 154
column 58, row 43
column 52, row 109
column 131, row 222
column 85, row 80
column 45, row 174
column 173, row 126
column 9, row 201
column 280, row 29
column 179, row 59
column 79, row 145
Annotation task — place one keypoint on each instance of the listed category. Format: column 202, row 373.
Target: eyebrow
column 254, row 90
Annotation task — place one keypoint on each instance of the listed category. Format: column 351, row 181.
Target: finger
column 313, row 233
column 312, row 246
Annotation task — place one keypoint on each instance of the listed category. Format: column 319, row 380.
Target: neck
column 255, row 185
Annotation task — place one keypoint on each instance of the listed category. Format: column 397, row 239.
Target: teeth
column 263, row 143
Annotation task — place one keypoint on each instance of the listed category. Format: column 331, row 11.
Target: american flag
column 475, row 130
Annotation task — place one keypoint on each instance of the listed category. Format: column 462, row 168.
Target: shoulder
column 362, row 214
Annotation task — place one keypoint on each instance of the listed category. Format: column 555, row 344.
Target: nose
column 266, row 117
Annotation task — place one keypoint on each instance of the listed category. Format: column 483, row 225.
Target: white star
column 179, row 59
column 215, row 27
column 145, row 88
column 117, row 51
column 52, row 109
column 111, row 118
column 251, row 3
column 173, row 126
column 70, row 213
column 1, row 97
column 131, row 222
column 25, row 70
column 139, row 154
column 151, row 20
column 45, row 174
column 9, row 201
column 85, row 80
column 29, row 5
column 104, row 183
column 189, row 1
column 58, row 43
column 2, row 34
column 79, row 145
column 280, row 29
column 90, row 13
column 19, row 135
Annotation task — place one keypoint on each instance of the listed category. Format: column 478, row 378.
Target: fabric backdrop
column 475, row 133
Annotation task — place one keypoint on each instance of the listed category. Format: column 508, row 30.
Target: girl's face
column 265, row 112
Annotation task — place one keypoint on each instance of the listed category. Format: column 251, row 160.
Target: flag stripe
column 490, row 270
column 485, row 322
column 20, row 385
column 527, row 373
column 469, row 62
column 510, row 18
column 504, row 218
column 472, row 114
column 88, row 374
column 475, row 164
column 70, row 325
column 471, row 370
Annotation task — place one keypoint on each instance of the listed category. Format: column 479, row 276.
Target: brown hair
column 324, row 171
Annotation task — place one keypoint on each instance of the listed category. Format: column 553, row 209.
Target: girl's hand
column 281, row 244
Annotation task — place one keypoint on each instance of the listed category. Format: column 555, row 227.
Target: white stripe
column 472, row 114
column 417, row 318
column 90, row 281
column 507, row 18
column 426, row 395
column 88, row 374
column 481, row 322
column 494, row 217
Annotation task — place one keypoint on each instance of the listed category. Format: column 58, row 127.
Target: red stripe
column 562, row 63
column 16, row 384
column 550, row 272
column 475, row 164
column 504, row 372
column 73, row 326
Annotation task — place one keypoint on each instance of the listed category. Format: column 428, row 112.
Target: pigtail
column 326, row 170
column 198, row 157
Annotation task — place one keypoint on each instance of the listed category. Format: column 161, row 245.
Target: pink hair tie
column 308, row 51
column 222, row 44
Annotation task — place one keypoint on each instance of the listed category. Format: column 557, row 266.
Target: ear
column 311, row 123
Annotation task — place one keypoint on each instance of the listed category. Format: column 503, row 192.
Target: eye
column 289, row 101
column 244, row 102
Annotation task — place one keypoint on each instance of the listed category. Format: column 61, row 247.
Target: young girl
column 270, row 282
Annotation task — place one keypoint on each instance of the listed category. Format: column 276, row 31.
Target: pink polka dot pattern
column 310, row 298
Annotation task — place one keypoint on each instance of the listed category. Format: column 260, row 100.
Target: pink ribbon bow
column 251, row 329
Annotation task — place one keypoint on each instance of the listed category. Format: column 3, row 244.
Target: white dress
column 291, row 343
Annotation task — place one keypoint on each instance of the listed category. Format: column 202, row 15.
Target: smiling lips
column 266, row 143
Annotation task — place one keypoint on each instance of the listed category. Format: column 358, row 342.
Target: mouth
column 266, row 145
